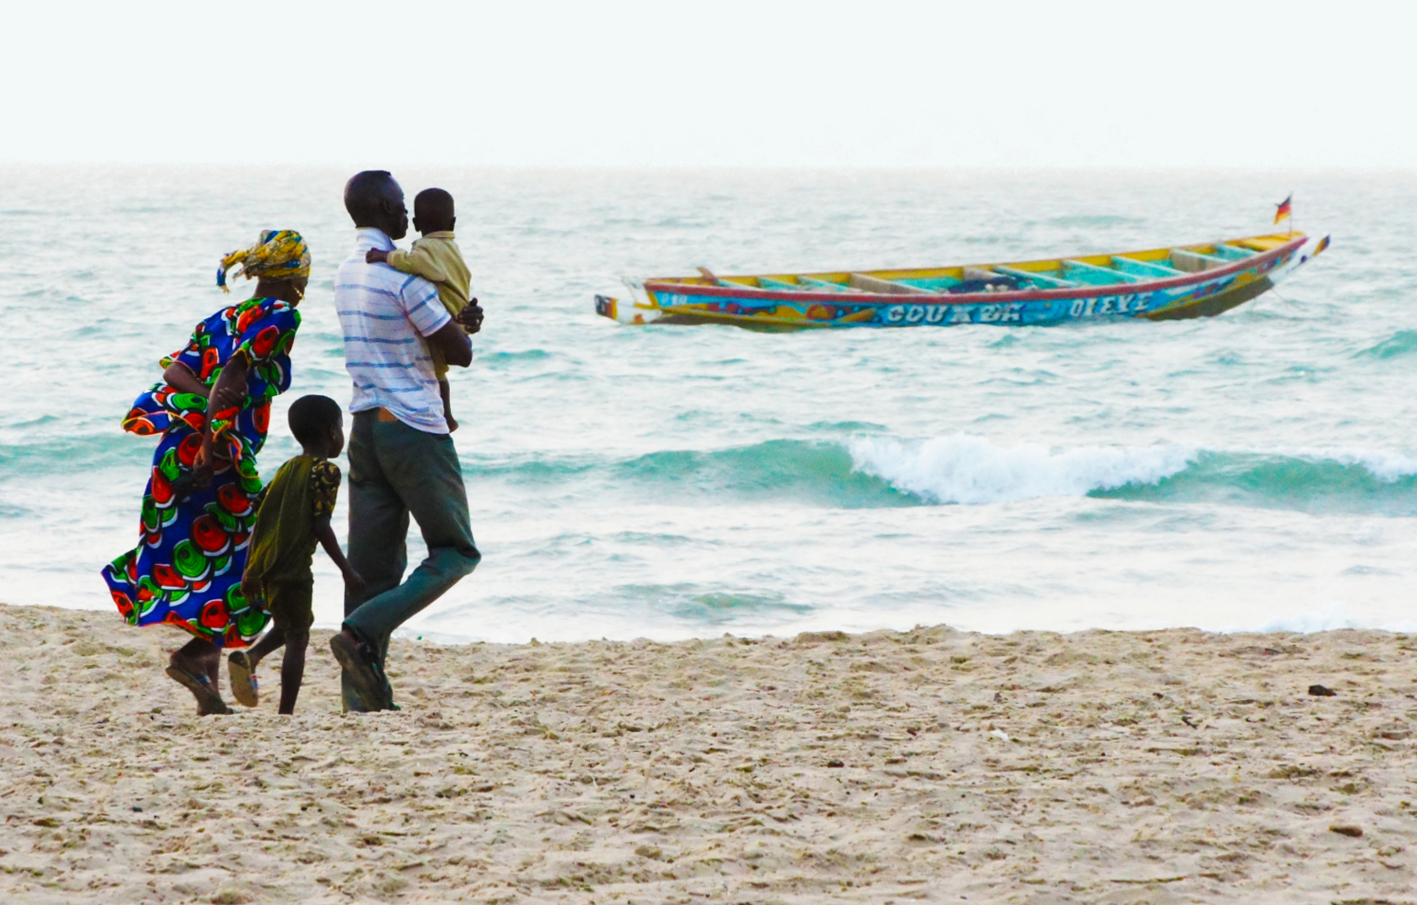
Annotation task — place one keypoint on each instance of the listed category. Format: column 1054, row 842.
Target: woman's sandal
column 244, row 686
column 208, row 699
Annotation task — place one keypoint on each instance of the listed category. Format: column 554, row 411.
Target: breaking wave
column 967, row 469
column 874, row 472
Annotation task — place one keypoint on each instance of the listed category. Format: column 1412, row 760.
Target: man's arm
column 453, row 343
column 434, row 324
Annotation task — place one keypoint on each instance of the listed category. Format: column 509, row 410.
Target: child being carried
column 437, row 258
column 294, row 513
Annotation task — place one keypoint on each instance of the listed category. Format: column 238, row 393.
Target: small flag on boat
column 1323, row 243
column 1283, row 209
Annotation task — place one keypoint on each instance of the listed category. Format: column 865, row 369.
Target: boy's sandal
column 208, row 699
column 244, row 686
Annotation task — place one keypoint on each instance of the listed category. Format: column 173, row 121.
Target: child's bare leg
column 447, row 393
column 292, row 668
column 273, row 639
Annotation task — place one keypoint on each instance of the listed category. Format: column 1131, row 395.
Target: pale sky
column 764, row 83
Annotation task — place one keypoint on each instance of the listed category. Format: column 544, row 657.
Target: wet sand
column 933, row 765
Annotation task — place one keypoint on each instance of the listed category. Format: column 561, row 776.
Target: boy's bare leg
column 447, row 393
column 273, row 639
column 292, row 668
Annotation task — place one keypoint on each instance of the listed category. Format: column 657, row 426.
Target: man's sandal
column 363, row 671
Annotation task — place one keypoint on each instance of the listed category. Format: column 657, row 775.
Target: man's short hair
column 312, row 417
column 364, row 192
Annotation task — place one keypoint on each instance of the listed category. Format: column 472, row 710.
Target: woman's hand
column 203, row 467
column 226, row 397
column 230, row 388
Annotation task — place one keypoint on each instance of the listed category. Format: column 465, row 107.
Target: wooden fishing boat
column 1159, row 284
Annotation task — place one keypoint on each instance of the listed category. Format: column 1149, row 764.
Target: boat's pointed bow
column 638, row 308
column 1305, row 253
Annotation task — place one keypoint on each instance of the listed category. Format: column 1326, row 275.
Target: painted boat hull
column 1206, row 293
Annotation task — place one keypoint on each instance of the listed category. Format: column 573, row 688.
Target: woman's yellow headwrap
column 279, row 255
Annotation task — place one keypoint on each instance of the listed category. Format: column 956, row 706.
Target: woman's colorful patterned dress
column 186, row 569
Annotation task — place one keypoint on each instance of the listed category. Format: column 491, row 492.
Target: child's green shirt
column 283, row 542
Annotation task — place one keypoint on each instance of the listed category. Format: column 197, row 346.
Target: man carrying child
column 402, row 461
column 437, row 258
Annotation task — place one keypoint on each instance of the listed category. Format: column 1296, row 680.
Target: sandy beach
column 933, row 765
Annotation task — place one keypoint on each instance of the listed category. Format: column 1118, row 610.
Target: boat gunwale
column 974, row 298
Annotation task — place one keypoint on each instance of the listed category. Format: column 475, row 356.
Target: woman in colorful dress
column 212, row 410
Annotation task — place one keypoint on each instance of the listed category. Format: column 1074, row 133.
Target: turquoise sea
column 1254, row 470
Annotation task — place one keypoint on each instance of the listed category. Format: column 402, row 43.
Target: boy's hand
column 470, row 317
column 251, row 590
column 353, row 583
column 376, row 256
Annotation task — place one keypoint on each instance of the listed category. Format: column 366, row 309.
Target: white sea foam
column 1386, row 466
column 966, row 469
column 1329, row 618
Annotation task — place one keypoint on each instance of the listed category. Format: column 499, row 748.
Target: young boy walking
column 294, row 513
column 437, row 258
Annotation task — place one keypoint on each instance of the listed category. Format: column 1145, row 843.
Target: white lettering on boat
column 999, row 313
column 1110, row 304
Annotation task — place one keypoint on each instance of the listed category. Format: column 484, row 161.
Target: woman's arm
column 180, row 378
column 228, row 392
column 230, row 388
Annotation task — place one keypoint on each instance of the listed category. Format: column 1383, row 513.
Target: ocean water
column 1258, row 469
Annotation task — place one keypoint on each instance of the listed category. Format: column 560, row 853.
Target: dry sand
column 934, row 765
